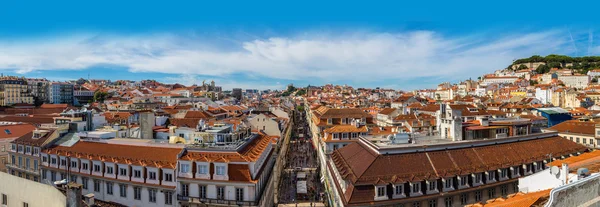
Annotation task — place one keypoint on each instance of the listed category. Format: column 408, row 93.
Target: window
column 478, row 178
column 504, row 190
column 539, row 166
column 432, row 186
column 20, row 161
column 96, row 168
column 185, row 190
column 28, row 150
column 84, row 182
column 220, row 192
column 202, row 169
column 109, row 188
column 25, row 204
column 97, row 185
column 220, row 170
column 491, row 193
column 152, row 195
column 448, row 183
column 416, row 188
column 464, row 180
column 448, row 201
column 464, row 198
column 73, row 178
column 381, row 191
column 73, row 164
column 122, row 171
column 44, row 159
column 53, row 161
column 44, row 174
column 27, row 163
column 478, row 195
column 577, row 139
column 335, row 135
column 168, row 198
column 433, row 203
column 63, row 176
column 503, row 173
column 202, row 191
column 491, row 175
column 109, row 170
column 53, row 176
column 63, row 162
column 84, row 166
column 515, row 188
column 584, row 141
column 14, row 146
column 137, row 193
column 152, row 175
column 36, row 151
column 239, row 194
column 123, row 190
column 137, row 173
column 4, row 199
column 398, row 189
column 416, row 204
column 35, row 165
column 184, row 168
column 168, row 177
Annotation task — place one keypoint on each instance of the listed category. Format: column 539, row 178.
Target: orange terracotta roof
column 136, row 155
column 519, row 199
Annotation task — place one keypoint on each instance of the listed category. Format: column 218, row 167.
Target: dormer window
column 399, row 190
column 491, row 176
column 448, row 183
column 202, row 169
column 381, row 191
column 415, row 189
column 503, row 173
column 220, row 170
column 36, row 135
column 515, row 171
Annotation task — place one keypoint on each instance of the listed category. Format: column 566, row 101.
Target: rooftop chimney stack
column 74, row 195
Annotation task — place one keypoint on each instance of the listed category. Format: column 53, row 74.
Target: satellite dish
column 554, row 170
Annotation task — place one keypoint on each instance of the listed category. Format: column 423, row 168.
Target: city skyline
column 251, row 50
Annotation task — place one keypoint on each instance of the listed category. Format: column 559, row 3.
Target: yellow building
column 13, row 90
column 518, row 93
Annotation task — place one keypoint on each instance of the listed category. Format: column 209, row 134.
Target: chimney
column 89, row 199
column 74, row 195
column 565, row 171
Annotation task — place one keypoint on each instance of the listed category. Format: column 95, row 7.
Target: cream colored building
column 13, row 90
column 575, row 81
column 16, row 191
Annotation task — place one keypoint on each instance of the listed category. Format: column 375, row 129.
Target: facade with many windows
column 235, row 176
column 13, row 90
column 453, row 174
column 130, row 174
column 25, row 153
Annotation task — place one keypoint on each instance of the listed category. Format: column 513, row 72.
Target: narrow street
column 300, row 178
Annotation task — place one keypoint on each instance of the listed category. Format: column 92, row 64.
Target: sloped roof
column 363, row 168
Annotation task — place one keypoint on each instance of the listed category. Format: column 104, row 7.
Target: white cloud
column 360, row 57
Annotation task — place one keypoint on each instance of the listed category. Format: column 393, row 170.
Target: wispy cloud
column 358, row 57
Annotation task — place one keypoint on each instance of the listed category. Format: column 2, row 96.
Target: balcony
column 209, row 201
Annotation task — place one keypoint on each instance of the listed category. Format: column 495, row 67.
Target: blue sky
column 268, row 44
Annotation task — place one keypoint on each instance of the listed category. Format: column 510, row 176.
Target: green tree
column 301, row 92
column 542, row 69
column 554, row 65
column 100, row 96
column 532, row 82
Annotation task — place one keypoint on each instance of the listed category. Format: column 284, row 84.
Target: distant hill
column 543, row 64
